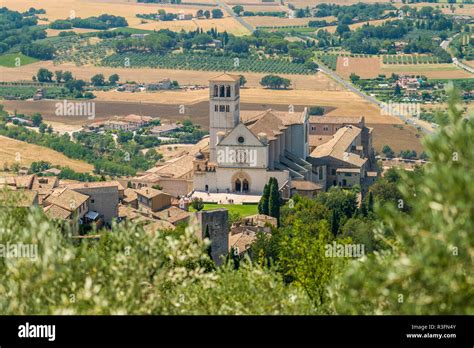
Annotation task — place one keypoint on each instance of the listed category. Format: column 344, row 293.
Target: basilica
column 246, row 149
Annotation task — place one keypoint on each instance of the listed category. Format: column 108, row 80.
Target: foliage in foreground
column 130, row 272
column 428, row 269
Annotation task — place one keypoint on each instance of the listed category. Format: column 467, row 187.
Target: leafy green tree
column 36, row 119
column 387, row 151
column 238, row 9
column 59, row 76
column 275, row 82
column 160, row 274
column 44, row 75
column 217, row 13
column 113, row 79
column 98, row 80
column 243, row 80
column 434, row 239
column 42, row 128
column 67, row 76
column 197, row 204
column 302, row 257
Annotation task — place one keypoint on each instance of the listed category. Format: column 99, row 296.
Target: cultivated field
column 467, row 9
column 398, row 137
column 266, row 21
column 128, row 9
column 29, row 153
column 370, row 67
column 222, row 24
column 310, row 3
column 318, row 81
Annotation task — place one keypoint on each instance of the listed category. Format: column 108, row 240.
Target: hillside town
column 236, row 158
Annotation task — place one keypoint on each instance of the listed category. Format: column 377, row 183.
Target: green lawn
column 9, row 59
column 242, row 209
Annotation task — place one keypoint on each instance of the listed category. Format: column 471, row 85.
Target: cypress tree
column 274, row 200
column 370, row 204
column 334, row 222
column 263, row 204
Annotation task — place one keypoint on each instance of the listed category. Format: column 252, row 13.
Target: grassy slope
column 9, row 60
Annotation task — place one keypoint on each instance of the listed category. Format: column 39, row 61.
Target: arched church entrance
column 241, row 182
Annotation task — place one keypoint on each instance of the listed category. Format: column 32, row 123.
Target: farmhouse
column 165, row 129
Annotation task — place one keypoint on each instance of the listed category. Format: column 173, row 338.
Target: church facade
column 246, row 149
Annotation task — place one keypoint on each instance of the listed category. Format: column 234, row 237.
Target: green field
column 205, row 62
column 9, row 60
column 241, row 209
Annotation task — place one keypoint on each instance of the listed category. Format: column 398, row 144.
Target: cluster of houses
column 137, row 87
column 125, row 123
column 100, row 203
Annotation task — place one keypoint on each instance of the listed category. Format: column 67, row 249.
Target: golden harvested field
column 434, row 71
column 304, row 3
column 31, row 153
column 364, row 67
column 264, row 8
column 56, row 9
column 86, row 8
column 399, row 137
column 373, row 66
column 55, row 32
column 266, row 21
column 317, row 81
column 468, row 9
column 332, row 29
column 228, row 24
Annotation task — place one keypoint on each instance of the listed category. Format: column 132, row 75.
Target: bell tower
column 224, row 108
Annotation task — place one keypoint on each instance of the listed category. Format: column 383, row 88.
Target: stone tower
column 224, row 108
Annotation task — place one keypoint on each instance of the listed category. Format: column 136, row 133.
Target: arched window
column 206, row 188
column 238, row 185
column 245, row 185
column 222, row 91
column 216, row 91
column 227, row 91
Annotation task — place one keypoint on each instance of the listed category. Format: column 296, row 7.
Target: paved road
column 445, row 44
column 425, row 126
column 233, row 14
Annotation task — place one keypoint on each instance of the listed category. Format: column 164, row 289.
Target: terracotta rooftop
column 137, row 118
column 336, row 119
column 96, row 184
column 173, row 215
column 57, row 213
column 305, row 185
column 20, row 198
column 24, row 181
column 225, row 78
column 66, row 199
column 149, row 192
column 338, row 146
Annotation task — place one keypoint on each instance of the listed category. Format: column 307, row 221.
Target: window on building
column 320, row 173
column 326, row 128
column 227, row 91
column 313, row 128
column 347, row 174
column 222, row 91
column 216, row 107
column 221, row 108
column 216, row 90
column 333, row 171
column 92, row 200
column 227, row 108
